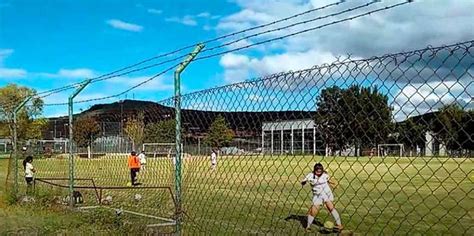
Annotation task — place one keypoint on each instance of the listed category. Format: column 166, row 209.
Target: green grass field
column 41, row 218
column 258, row 195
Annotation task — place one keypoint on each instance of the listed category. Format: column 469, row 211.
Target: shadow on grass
column 303, row 219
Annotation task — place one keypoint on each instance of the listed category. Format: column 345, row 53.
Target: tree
column 356, row 116
column 85, row 131
column 219, row 133
column 161, row 132
column 374, row 119
column 29, row 123
column 135, row 129
column 466, row 134
column 450, row 126
column 330, row 122
column 411, row 134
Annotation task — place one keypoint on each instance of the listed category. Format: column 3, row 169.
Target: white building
column 291, row 137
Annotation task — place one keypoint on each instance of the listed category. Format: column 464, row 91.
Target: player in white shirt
column 29, row 172
column 213, row 159
column 321, row 183
column 142, row 158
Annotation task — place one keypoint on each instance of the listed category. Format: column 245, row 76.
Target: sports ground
column 262, row 194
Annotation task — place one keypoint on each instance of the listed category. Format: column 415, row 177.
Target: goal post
column 3, row 147
column 159, row 149
column 390, row 149
column 55, row 146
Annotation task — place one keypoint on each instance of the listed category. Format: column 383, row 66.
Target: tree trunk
column 89, row 151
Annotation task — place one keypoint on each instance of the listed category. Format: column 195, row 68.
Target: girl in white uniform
column 320, row 183
column 213, row 159
column 29, row 173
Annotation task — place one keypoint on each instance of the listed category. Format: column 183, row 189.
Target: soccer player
column 213, row 159
column 321, row 185
column 134, row 166
column 142, row 158
column 29, row 173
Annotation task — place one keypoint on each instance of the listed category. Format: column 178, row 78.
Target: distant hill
column 194, row 121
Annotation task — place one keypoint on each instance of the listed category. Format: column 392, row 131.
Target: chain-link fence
column 395, row 131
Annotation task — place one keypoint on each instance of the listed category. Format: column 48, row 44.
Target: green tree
column 411, row 134
column 135, row 129
column 466, row 134
column 356, row 116
column 330, row 122
column 374, row 119
column 86, row 130
column 219, row 133
column 30, row 124
column 161, row 132
column 448, row 125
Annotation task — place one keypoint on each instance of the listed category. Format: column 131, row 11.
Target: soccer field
column 258, row 195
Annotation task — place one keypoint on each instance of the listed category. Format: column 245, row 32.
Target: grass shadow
column 303, row 219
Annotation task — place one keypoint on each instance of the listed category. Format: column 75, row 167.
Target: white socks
column 336, row 216
column 310, row 221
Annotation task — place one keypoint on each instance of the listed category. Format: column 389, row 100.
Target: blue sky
column 60, row 42
column 46, row 44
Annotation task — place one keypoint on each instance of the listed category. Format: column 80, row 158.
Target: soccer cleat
column 307, row 230
column 339, row 227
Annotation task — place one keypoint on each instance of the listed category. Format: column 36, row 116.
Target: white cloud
column 204, row 14
column 80, row 73
column 154, row 11
column 9, row 73
column 118, row 24
column 418, row 98
column 76, row 73
column 232, row 60
column 208, row 15
column 243, row 19
column 238, row 65
column 389, row 31
column 185, row 20
column 12, row 73
column 4, row 53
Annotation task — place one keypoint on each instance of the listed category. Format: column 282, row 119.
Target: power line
column 103, row 77
column 303, row 31
column 232, row 42
column 118, row 94
column 248, row 46
column 291, row 25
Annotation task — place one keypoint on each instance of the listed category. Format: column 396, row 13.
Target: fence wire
column 395, row 131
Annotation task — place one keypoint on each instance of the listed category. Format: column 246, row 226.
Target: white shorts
column 319, row 199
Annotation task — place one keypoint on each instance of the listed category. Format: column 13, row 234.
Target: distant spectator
column 29, row 173
column 142, row 158
column 213, row 159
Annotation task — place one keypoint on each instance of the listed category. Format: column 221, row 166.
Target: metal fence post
column 71, row 154
column 177, row 94
column 15, row 143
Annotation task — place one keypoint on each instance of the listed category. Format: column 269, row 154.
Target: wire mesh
column 415, row 108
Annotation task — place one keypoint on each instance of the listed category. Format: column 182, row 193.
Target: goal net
column 3, row 148
column 393, row 150
column 159, row 149
column 46, row 147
